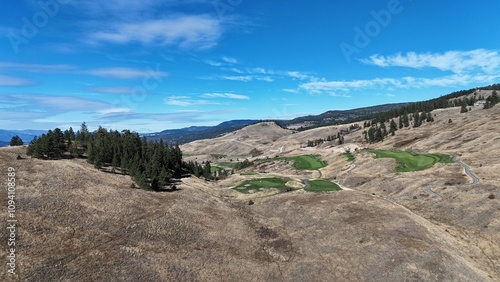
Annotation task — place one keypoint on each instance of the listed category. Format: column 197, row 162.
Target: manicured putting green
column 309, row 162
column 411, row 161
column 261, row 183
column 322, row 186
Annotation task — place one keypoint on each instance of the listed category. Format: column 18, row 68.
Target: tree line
column 151, row 164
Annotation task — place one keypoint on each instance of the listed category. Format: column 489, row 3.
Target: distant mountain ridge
column 26, row 134
column 193, row 133
column 332, row 117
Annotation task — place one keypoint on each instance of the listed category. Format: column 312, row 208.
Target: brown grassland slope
column 78, row 224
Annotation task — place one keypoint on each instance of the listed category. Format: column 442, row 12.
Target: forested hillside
column 151, row 164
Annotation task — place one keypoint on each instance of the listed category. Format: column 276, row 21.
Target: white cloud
column 187, row 31
column 299, row 75
column 226, row 95
column 185, row 101
column 6, row 80
column 126, row 73
column 317, row 87
column 295, row 91
column 108, row 111
column 246, row 78
column 38, row 68
column 112, row 89
column 487, row 61
column 229, row 60
column 238, row 77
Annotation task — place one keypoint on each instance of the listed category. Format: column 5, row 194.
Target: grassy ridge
column 410, row 161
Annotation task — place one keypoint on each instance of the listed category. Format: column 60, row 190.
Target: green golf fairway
column 410, row 161
column 322, row 186
column 306, row 162
column 256, row 184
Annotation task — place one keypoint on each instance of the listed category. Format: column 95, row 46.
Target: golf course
column 255, row 185
column 304, row 162
column 412, row 161
column 321, row 185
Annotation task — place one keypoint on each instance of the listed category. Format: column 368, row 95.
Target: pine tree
column 463, row 109
column 16, row 141
column 406, row 121
column 393, row 127
column 429, row 117
column 384, row 129
column 207, row 170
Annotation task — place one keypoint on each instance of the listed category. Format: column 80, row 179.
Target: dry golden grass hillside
column 79, row 224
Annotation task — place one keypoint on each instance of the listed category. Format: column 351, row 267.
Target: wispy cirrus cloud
column 317, row 87
column 186, row 101
column 37, row 68
column 229, row 60
column 487, row 61
column 9, row 81
column 226, row 96
column 50, row 104
column 113, row 72
column 126, row 73
column 246, row 78
column 185, row 31
column 112, row 89
column 478, row 66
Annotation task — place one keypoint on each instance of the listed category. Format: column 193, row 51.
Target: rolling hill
column 434, row 224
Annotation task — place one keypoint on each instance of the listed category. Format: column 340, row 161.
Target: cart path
column 475, row 180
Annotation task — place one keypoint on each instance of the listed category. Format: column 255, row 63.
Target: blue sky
column 153, row 65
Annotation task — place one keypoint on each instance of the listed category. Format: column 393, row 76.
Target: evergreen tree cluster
column 16, row 141
column 340, row 136
column 244, row 164
column 492, row 100
column 51, row 145
column 316, row 142
column 378, row 129
column 150, row 164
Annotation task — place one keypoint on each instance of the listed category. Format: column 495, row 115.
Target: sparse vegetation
column 411, row 161
column 218, row 156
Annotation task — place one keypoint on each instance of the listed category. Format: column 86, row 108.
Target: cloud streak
column 13, row 81
column 226, row 96
column 459, row 62
column 186, row 101
column 186, row 31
